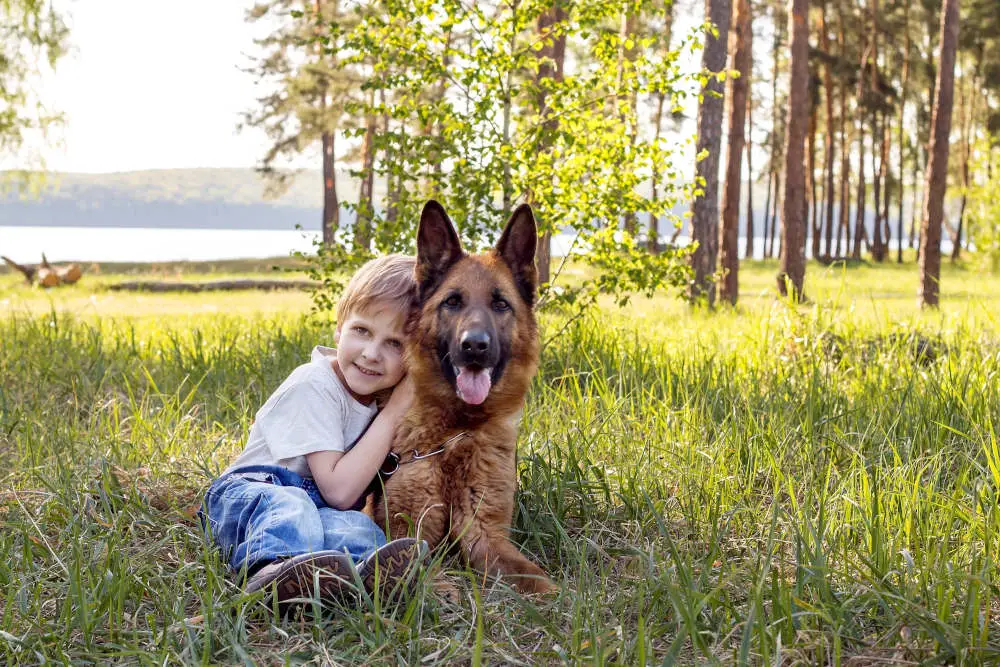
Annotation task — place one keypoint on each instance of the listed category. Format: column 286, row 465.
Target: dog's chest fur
column 475, row 474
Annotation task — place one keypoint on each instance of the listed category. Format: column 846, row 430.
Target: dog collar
column 394, row 460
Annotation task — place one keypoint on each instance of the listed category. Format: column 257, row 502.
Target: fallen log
column 69, row 274
column 212, row 285
column 47, row 277
column 27, row 270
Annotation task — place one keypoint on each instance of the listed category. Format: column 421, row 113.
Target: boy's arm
column 342, row 477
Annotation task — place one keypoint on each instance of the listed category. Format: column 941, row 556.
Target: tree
column 551, row 61
column 903, row 90
column 366, row 195
column 705, row 207
column 829, row 151
column 740, row 44
column 748, row 250
column 777, row 133
column 844, row 217
column 937, row 163
column 33, row 32
column 310, row 90
column 659, row 99
column 792, row 271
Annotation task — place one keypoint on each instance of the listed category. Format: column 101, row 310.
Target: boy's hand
column 402, row 396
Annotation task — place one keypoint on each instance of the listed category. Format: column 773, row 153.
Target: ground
column 778, row 484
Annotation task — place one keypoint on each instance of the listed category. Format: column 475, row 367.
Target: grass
column 778, row 485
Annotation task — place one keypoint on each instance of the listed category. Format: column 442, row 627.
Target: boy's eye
column 500, row 305
column 395, row 343
column 453, row 301
column 361, row 330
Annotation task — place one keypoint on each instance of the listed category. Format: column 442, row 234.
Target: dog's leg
column 497, row 556
column 429, row 521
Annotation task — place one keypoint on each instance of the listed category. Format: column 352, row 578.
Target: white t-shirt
column 311, row 411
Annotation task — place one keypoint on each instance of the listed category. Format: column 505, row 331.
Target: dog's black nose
column 475, row 342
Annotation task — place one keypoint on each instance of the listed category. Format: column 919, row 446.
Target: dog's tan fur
column 465, row 494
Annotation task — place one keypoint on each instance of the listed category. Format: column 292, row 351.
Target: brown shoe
column 393, row 567
column 301, row 578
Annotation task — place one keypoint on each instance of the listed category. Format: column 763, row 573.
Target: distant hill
column 177, row 198
column 206, row 199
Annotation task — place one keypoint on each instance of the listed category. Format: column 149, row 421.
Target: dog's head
column 475, row 327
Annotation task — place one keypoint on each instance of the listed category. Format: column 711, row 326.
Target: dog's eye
column 454, row 301
column 500, row 305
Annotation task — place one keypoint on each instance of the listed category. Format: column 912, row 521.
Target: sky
column 152, row 85
column 159, row 85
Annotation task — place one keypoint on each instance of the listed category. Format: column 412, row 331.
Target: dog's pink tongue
column 473, row 386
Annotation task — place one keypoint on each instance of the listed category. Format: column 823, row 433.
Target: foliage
column 984, row 213
column 32, row 32
column 456, row 85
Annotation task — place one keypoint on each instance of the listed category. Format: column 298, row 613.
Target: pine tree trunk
column 628, row 109
column 366, row 204
column 969, row 104
column 736, row 102
column 331, row 207
column 748, row 250
column 775, row 206
column 904, row 86
column 653, row 226
column 812, row 207
column 878, row 248
column 886, row 179
column 829, row 135
column 774, row 173
column 937, row 164
column 915, row 211
column 550, row 69
column 859, row 216
column 792, row 271
column 705, row 209
column 844, row 214
column 765, row 250
column 392, row 189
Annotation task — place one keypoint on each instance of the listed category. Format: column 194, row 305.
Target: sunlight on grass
column 777, row 485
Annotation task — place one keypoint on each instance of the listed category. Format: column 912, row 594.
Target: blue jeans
column 258, row 514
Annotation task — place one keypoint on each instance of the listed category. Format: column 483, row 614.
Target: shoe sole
column 302, row 577
column 393, row 567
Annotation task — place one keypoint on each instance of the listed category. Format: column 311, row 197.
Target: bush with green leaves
column 984, row 217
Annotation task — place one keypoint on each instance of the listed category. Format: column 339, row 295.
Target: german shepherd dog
column 472, row 350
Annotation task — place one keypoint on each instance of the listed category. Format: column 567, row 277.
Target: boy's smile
column 370, row 352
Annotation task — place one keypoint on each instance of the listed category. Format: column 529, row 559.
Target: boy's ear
column 336, row 335
column 438, row 248
column 516, row 248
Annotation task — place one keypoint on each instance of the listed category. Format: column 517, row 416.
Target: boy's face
column 370, row 350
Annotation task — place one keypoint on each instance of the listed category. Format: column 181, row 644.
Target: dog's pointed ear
column 438, row 247
column 517, row 246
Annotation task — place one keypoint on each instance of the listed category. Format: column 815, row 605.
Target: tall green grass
column 801, row 487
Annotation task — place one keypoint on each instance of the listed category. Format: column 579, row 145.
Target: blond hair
column 384, row 279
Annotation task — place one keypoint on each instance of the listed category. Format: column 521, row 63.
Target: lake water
column 122, row 244
column 106, row 244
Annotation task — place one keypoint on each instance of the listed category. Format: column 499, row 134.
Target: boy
column 285, row 509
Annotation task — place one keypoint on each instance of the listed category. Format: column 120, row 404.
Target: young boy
column 284, row 511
